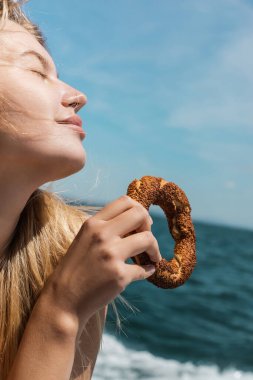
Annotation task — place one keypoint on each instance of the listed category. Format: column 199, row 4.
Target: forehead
column 15, row 40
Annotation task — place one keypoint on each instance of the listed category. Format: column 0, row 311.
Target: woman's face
column 34, row 103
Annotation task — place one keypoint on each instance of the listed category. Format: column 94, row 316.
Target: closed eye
column 39, row 73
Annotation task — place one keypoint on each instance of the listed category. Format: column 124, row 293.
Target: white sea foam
column 116, row 362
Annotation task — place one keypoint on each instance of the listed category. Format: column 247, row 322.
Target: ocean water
column 201, row 330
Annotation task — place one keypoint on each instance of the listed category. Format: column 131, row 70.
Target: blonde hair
column 45, row 230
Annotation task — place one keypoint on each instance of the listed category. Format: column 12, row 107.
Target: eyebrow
column 42, row 59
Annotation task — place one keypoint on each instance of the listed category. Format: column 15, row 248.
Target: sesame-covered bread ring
column 173, row 201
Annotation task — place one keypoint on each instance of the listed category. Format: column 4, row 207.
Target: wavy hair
column 46, row 228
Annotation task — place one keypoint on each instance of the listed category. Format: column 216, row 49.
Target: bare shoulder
column 89, row 345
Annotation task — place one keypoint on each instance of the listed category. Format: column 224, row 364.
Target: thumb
column 149, row 270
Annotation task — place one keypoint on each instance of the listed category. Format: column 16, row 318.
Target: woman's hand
column 93, row 271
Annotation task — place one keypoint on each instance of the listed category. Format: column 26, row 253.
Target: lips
column 74, row 122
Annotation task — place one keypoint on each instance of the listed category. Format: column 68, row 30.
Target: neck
column 15, row 191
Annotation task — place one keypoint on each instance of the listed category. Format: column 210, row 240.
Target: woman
column 59, row 266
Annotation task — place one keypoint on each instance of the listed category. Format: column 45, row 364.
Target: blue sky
column 170, row 94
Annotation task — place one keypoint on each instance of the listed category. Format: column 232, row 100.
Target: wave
column 117, row 362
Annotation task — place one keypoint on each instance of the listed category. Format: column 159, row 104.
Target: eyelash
column 44, row 76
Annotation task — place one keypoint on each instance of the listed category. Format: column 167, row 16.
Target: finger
column 140, row 242
column 130, row 220
column 145, row 226
column 137, row 272
column 142, row 228
column 113, row 209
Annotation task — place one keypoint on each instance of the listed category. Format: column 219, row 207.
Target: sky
column 170, row 94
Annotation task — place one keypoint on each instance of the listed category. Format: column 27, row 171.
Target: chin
column 74, row 166
column 68, row 166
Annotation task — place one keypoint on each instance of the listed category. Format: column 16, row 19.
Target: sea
column 200, row 330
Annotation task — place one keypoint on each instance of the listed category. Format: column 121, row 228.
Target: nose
column 74, row 99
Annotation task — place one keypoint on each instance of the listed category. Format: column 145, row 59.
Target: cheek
column 36, row 105
column 38, row 143
column 30, row 99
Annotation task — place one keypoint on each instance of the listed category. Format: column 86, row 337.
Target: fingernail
column 150, row 268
